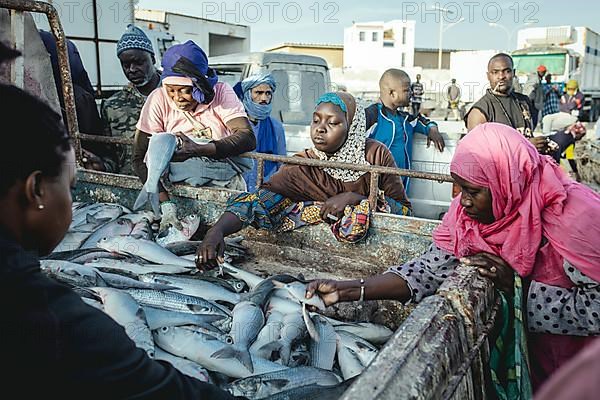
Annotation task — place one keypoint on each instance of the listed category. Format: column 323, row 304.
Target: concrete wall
column 333, row 56
column 369, row 53
column 215, row 37
column 428, row 59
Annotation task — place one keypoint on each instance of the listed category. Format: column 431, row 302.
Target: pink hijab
column 532, row 198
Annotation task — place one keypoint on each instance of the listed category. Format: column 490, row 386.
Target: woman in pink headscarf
column 519, row 217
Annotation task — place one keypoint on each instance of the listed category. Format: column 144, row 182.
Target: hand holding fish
column 212, row 250
column 187, row 148
column 327, row 289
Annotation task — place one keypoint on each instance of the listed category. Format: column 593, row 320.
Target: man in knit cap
column 122, row 110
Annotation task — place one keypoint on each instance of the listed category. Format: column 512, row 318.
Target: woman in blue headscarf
column 299, row 195
column 256, row 92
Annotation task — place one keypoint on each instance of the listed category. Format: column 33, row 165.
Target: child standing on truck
column 394, row 127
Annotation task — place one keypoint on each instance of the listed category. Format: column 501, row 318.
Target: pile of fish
column 255, row 337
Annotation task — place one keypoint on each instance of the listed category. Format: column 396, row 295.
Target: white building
column 215, row 37
column 379, row 45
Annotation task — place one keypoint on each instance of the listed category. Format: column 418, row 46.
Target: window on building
column 404, row 35
column 388, row 44
column 375, row 36
column 403, row 61
column 361, row 36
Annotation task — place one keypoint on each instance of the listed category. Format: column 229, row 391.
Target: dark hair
column 33, row 137
column 502, row 55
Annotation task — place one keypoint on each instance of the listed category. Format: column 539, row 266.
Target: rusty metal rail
column 63, row 60
column 375, row 170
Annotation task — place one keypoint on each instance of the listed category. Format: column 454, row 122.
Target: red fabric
column 532, row 197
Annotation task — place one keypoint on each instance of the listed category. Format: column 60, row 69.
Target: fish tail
column 242, row 356
column 267, row 350
column 148, row 197
column 285, row 353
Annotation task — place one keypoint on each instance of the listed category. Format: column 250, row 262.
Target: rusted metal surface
column 63, row 61
column 307, row 161
column 373, row 190
column 260, row 172
column 433, row 354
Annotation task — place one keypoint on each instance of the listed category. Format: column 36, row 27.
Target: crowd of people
column 518, row 218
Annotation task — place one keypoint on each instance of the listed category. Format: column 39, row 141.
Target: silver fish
column 91, row 224
column 248, row 319
column 251, row 280
column 136, row 270
column 142, row 230
column 129, row 314
column 158, row 156
column 98, row 211
column 93, row 303
column 311, row 392
column 170, row 235
column 298, row 292
column 198, row 347
column 145, row 249
column 265, row 385
column 178, row 302
column 282, row 305
column 184, row 366
column 72, row 241
column 194, row 287
column 364, row 350
column 268, row 334
column 349, row 362
column 322, row 353
column 158, row 317
column 118, row 227
column 373, row 333
column 292, row 329
column 86, row 276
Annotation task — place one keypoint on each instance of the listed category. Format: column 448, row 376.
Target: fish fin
column 260, row 293
column 310, row 325
column 148, row 197
column 141, row 199
column 102, row 282
column 242, row 356
column 277, row 284
column 269, row 348
column 285, row 353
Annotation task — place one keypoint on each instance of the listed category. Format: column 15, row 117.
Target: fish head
column 190, row 225
column 247, row 387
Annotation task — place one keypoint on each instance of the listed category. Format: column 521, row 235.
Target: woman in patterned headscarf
column 299, row 195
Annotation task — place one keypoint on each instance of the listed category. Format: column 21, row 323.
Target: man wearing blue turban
column 256, row 92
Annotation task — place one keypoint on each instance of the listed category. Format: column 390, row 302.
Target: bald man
column 503, row 105
column 394, row 127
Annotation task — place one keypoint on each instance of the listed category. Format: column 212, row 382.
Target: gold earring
column 40, row 207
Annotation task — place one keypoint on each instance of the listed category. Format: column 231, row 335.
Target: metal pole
column 63, row 62
column 440, row 41
column 17, row 27
column 260, row 172
column 373, row 191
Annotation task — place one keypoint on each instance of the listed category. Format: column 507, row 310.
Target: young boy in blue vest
column 395, row 128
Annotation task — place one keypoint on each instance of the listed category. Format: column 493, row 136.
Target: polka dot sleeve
column 574, row 311
column 426, row 273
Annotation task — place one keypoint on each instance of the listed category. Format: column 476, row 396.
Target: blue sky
column 323, row 21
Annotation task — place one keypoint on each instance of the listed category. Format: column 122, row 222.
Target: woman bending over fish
column 523, row 223
column 57, row 346
column 299, row 195
column 207, row 125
